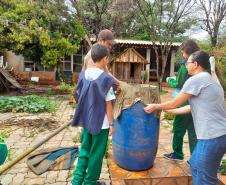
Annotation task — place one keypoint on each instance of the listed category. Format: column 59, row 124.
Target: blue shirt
column 91, row 106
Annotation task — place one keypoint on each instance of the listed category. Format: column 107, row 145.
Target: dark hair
column 98, row 52
column 189, row 47
column 105, row 35
column 202, row 58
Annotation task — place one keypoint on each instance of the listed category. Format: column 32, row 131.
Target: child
column 94, row 113
column 182, row 123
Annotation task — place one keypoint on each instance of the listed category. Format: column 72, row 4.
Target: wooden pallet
column 8, row 78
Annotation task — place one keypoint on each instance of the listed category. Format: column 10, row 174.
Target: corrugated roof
column 138, row 42
column 141, row 42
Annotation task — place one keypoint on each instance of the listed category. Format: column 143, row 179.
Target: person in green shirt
column 182, row 123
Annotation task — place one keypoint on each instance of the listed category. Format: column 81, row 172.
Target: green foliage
column 66, row 87
column 32, row 104
column 62, row 89
column 163, row 21
column 223, row 167
column 178, row 57
column 43, row 31
column 219, row 54
column 51, row 92
column 169, row 116
column 4, row 134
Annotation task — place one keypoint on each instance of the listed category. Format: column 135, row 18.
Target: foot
column 173, row 156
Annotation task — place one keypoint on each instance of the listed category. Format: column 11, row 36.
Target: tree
column 43, row 31
column 213, row 13
column 163, row 21
column 116, row 15
column 93, row 14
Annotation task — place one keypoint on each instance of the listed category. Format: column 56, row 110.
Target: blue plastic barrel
column 135, row 141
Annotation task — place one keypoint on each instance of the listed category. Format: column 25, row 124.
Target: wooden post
column 148, row 55
column 172, row 62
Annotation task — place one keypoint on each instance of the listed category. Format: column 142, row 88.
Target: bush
column 62, row 89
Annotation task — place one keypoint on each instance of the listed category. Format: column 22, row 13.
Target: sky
column 198, row 35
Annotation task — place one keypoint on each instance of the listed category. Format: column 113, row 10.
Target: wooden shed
column 128, row 66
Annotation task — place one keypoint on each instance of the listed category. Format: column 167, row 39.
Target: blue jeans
column 205, row 160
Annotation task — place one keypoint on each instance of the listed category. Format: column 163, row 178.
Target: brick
column 62, row 177
column 18, row 179
column 34, row 181
column 7, row 179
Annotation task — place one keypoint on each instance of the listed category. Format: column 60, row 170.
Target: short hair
column 202, row 58
column 189, row 46
column 98, row 52
column 106, row 35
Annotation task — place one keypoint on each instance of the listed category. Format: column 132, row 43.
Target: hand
column 170, row 78
column 118, row 90
column 111, row 131
column 150, row 108
column 167, row 79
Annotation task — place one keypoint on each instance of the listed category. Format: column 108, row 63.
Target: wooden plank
column 126, row 71
column 10, row 79
column 3, row 83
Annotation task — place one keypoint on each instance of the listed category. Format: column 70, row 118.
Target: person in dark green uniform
column 182, row 123
column 3, row 151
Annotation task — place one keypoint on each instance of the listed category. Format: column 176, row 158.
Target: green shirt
column 181, row 77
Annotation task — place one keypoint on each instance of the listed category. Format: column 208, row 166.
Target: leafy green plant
column 66, row 87
column 51, row 92
column 169, row 116
column 223, row 167
column 32, row 104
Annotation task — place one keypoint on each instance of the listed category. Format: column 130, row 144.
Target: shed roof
column 139, row 42
column 130, row 55
column 142, row 42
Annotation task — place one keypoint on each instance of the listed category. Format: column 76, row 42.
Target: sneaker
column 172, row 156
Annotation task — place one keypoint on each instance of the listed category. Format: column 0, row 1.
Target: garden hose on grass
column 31, row 149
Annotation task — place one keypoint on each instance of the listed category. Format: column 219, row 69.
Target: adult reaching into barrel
column 206, row 98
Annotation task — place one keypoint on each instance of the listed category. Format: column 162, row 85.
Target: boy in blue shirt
column 94, row 113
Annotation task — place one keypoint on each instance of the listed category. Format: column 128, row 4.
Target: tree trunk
column 157, row 67
column 213, row 41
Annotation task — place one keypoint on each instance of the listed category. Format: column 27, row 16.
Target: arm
column 84, row 67
column 172, row 104
column 109, row 111
column 181, row 77
column 182, row 110
column 87, row 58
